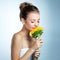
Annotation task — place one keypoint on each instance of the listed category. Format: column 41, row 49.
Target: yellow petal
column 36, row 29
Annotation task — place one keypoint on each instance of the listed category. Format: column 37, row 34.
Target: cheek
column 30, row 26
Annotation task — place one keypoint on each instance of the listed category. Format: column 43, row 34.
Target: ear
column 23, row 21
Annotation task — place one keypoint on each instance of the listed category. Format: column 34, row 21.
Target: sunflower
column 37, row 32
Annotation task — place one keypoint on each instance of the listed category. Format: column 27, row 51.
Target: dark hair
column 26, row 8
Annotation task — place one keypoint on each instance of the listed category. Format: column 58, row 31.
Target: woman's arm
column 16, row 47
column 27, row 54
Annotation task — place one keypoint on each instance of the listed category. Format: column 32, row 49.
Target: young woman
column 23, row 46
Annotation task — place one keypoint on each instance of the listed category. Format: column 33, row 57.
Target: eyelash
column 33, row 22
column 38, row 21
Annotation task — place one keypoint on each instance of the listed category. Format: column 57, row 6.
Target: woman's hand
column 36, row 43
column 37, row 53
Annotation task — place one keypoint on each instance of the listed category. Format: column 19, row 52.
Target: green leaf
column 37, row 34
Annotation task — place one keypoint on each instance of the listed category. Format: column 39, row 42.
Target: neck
column 26, row 31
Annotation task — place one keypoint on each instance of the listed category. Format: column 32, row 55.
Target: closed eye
column 38, row 21
column 32, row 21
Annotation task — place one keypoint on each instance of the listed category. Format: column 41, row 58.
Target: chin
column 30, row 29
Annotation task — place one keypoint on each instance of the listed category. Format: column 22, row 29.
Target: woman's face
column 32, row 20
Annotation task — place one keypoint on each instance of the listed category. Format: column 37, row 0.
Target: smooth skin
column 21, row 39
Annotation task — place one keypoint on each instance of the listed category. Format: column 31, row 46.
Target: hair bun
column 24, row 4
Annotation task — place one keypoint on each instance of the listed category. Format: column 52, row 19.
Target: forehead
column 33, row 15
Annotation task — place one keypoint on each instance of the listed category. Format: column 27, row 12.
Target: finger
column 37, row 55
column 37, row 49
column 41, row 41
column 37, row 52
column 41, row 45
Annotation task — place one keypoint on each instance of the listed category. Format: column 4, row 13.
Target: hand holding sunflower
column 36, row 33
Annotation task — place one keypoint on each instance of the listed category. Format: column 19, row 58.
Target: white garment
column 23, row 51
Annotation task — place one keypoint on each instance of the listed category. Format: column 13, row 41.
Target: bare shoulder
column 16, row 45
column 17, row 36
column 16, row 39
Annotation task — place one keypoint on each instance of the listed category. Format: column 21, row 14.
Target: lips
column 33, row 27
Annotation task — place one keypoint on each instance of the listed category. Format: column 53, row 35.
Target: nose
column 36, row 24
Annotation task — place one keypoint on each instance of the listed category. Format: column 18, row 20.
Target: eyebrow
column 34, row 19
